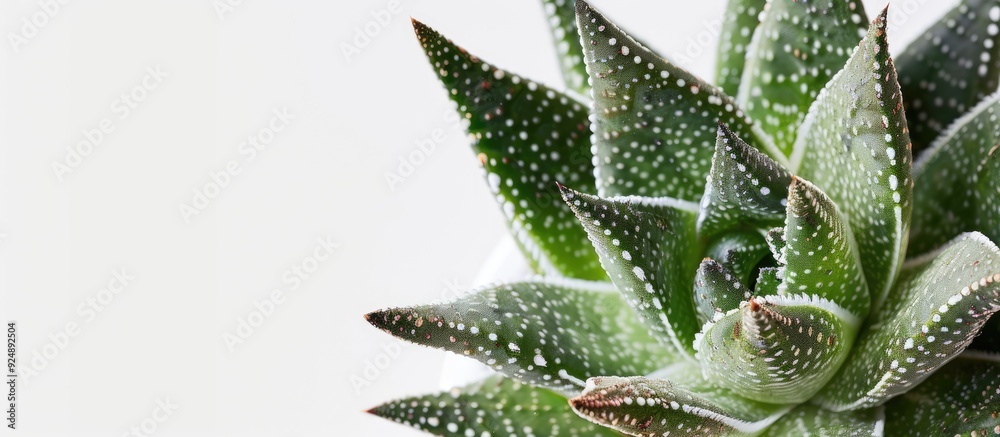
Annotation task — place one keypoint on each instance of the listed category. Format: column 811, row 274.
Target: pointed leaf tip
column 786, row 66
column 650, row 252
column 487, row 408
column 653, row 123
column 569, row 341
column 656, row 407
column 855, row 145
column 525, row 135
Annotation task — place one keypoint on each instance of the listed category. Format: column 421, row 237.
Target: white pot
column 505, row 264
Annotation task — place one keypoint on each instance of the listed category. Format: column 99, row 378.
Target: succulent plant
column 807, row 247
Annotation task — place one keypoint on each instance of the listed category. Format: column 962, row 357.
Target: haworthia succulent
column 777, row 349
column 950, row 68
column 820, row 252
column 562, row 22
column 488, row 408
column 744, row 188
column 568, row 341
column 654, row 124
column 854, row 146
column 963, row 398
column 798, row 47
column 939, row 305
column 738, row 23
column 946, row 179
column 527, row 137
column 717, row 290
column 811, row 420
column 851, row 326
column 655, row 407
column 649, row 250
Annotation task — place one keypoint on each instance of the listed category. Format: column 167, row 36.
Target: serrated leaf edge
column 950, row 132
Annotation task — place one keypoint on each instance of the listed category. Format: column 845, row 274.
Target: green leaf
column 854, row 146
column 488, row 408
column 944, row 192
column 653, row 123
column 810, row 420
column 820, row 252
column 741, row 252
column 768, row 281
column 544, row 334
column 649, row 249
column 738, row 23
column 777, row 348
column 562, row 22
column 939, row 305
column 796, row 50
column 527, row 137
column 963, row 398
column 717, row 290
column 654, row 407
column 988, row 194
column 745, row 188
column 950, row 68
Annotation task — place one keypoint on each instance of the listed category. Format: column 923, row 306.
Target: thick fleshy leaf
column 488, row 408
column 944, row 191
column 656, row 407
column 777, row 349
column 796, row 50
column 741, row 252
column 554, row 335
column 811, row 420
column 820, row 253
column 950, row 68
column 650, row 251
column 527, row 137
column 562, row 22
column 745, row 188
column 738, row 23
column 939, row 305
column 963, row 398
column 854, row 146
column 717, row 290
column 988, row 194
column 654, row 123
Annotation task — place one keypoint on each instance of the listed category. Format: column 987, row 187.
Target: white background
column 322, row 177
